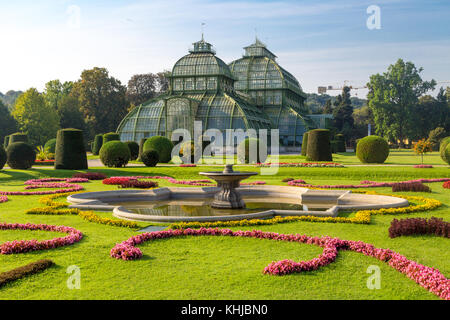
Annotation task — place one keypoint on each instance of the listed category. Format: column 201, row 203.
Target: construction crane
column 324, row 89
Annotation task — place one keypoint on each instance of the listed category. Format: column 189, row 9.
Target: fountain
column 228, row 180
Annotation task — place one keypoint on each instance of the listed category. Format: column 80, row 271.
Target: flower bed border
column 418, row 226
column 364, row 184
column 429, row 278
column 21, row 272
column 22, row 246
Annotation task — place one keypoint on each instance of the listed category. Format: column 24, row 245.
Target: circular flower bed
column 364, row 184
column 21, row 246
column 429, row 278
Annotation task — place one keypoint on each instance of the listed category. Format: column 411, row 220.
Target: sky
column 321, row 43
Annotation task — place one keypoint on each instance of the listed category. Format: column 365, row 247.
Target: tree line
column 96, row 103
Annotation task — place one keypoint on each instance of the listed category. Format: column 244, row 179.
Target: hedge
column 18, row 137
column 150, row 158
column 115, row 154
column 340, row 143
column 372, row 149
column 6, row 142
column 70, row 153
column 162, row 145
column 20, row 155
column 111, row 136
column 3, row 158
column 97, row 144
column 305, row 144
column 243, row 151
column 446, row 154
column 134, row 149
column 141, row 148
column 444, row 143
column 319, row 146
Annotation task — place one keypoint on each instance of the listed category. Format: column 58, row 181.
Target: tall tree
column 143, row 87
column 392, row 97
column 343, row 114
column 7, row 123
column 34, row 117
column 328, row 107
column 101, row 99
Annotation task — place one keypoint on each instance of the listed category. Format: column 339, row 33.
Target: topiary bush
column 304, row 144
column 20, row 155
column 141, row 148
column 340, row 143
column 319, row 146
column 115, row 154
column 111, row 136
column 150, row 157
column 18, row 137
column 243, row 151
column 5, row 142
column 444, row 143
column 97, row 144
column 3, row 158
column 446, row 154
column 134, row 149
column 162, row 145
column 50, row 146
column 70, row 153
column 372, row 149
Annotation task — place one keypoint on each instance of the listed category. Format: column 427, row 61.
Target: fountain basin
column 331, row 200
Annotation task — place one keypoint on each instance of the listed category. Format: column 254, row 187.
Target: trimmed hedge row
column 3, row 158
column 70, row 153
column 18, row 137
column 304, row 144
column 21, row 272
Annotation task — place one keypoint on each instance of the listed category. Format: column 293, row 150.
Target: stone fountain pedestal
column 228, row 180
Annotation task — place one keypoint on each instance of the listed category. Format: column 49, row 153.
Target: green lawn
column 222, row 267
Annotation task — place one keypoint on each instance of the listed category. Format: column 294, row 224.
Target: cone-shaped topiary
column 304, row 144
column 319, row 146
column 115, row 154
column 3, row 158
column 141, row 148
column 50, row 145
column 372, row 149
column 134, row 149
column 244, row 151
column 97, row 144
column 162, row 145
column 18, row 137
column 70, row 153
column 150, row 158
column 446, row 154
column 111, row 136
column 444, row 143
column 6, row 142
column 20, row 155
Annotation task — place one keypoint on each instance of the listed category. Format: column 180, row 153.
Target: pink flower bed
column 202, row 182
column 364, row 184
column 47, row 180
column 49, row 183
column 90, row 175
column 429, row 278
column 446, row 185
column 187, row 165
column 303, row 164
column 22, row 246
column 423, row 166
column 3, row 199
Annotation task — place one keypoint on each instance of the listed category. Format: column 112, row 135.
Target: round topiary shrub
column 115, row 154
column 111, row 136
column 70, row 153
column 50, row 145
column 244, row 154
column 162, row 145
column 446, row 154
column 6, row 142
column 20, row 155
column 97, row 144
column 3, row 158
column 444, row 143
column 134, row 149
column 372, row 149
column 304, row 144
column 319, row 146
column 18, row 137
column 150, row 157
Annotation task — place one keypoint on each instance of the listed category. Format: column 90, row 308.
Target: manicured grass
column 220, row 267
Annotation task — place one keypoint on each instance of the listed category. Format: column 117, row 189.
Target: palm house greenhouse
column 254, row 92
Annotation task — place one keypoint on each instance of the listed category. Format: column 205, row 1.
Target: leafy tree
column 7, row 123
column 328, row 107
column 343, row 114
column 392, row 98
column 101, row 100
column 435, row 136
column 35, row 118
column 143, row 87
column 362, row 118
column 10, row 98
column 422, row 146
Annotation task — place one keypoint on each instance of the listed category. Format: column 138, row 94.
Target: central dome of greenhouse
column 253, row 92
